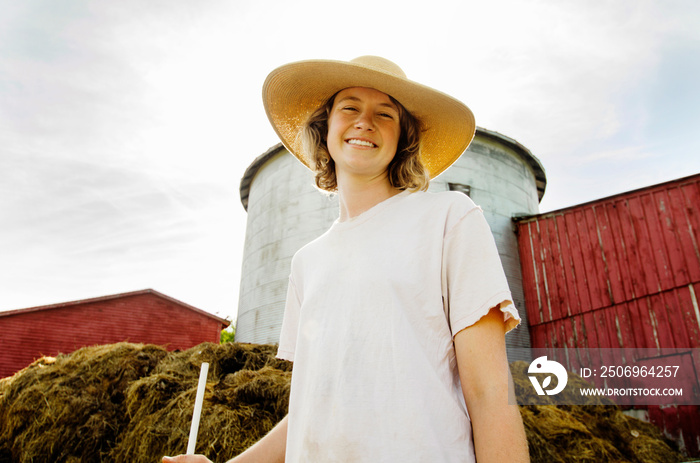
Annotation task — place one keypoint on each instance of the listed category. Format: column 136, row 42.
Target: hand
column 187, row 459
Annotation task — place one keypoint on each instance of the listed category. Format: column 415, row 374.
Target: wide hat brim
column 293, row 91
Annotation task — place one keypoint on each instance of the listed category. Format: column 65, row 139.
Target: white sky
column 126, row 126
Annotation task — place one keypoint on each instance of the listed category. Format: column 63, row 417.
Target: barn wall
column 142, row 318
column 619, row 272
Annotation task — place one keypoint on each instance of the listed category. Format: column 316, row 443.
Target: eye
column 349, row 108
column 386, row 115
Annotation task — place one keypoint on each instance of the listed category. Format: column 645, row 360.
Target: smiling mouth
column 355, row 141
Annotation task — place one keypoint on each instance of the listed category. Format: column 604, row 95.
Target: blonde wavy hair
column 406, row 171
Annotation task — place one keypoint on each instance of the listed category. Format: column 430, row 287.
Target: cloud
column 621, row 155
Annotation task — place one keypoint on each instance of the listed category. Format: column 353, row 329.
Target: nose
column 364, row 121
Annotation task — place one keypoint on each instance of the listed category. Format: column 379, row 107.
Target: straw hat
column 293, row 91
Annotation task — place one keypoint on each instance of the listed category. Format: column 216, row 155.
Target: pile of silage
column 247, row 394
column 597, row 432
column 70, row 408
column 129, row 402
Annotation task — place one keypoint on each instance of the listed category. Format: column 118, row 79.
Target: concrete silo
column 286, row 211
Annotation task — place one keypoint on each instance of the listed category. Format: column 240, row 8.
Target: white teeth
column 353, row 141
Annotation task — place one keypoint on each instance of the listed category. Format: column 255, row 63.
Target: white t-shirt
column 372, row 308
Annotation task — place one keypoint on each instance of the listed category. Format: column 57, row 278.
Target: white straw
column 194, row 428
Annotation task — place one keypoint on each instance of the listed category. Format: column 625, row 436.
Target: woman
column 396, row 316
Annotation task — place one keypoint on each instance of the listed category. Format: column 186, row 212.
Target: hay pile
column 598, row 432
column 131, row 402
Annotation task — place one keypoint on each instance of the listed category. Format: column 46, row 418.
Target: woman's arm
column 269, row 449
column 499, row 434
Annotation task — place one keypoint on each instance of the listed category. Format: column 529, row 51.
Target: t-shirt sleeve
column 473, row 276
column 290, row 324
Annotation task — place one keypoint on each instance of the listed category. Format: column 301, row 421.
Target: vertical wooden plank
column 625, row 324
column 691, row 196
column 578, row 261
column 527, row 264
column 561, row 332
column 632, row 265
column 605, row 257
column 565, row 237
column 686, row 235
column 551, row 340
column 644, row 249
column 691, row 313
column 569, row 339
column 581, row 340
column 690, row 427
column 539, row 249
column 577, row 324
column 614, row 253
column 544, row 336
column 659, row 315
column 644, row 332
column 694, row 333
column 676, row 323
column 670, row 223
column 585, row 248
column 596, row 272
column 659, row 250
column 555, row 330
column 552, row 335
column 590, row 330
column 604, row 334
column 556, row 280
column 552, row 267
column 623, row 231
column 689, row 308
column 534, row 336
column 567, row 276
column 596, row 321
column 537, row 336
column 613, row 327
column 611, row 355
column 691, row 190
column 533, row 301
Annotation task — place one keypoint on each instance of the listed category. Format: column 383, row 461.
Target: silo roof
column 524, row 153
column 253, row 169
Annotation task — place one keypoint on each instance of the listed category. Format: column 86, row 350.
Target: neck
column 356, row 197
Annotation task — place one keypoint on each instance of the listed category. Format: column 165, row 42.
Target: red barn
column 619, row 272
column 147, row 317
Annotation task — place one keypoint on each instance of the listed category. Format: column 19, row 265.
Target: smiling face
column 363, row 132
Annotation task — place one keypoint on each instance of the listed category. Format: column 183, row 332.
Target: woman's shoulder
column 452, row 201
column 447, row 208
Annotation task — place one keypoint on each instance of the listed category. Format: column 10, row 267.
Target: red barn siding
column 632, row 257
column 622, row 271
column 142, row 317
